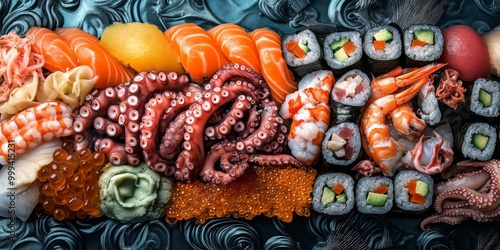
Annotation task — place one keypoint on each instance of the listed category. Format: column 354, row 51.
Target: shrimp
column 377, row 141
column 406, row 122
column 310, row 113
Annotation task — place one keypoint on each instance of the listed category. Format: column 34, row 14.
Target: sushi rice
column 392, row 49
column 308, row 38
column 354, row 57
column 368, row 184
column 330, row 180
column 427, row 53
column 401, row 191
column 467, row 147
column 491, row 87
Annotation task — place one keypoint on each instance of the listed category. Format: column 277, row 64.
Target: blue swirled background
column 318, row 231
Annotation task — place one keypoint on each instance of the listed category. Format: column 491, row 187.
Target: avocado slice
column 485, row 97
column 328, row 196
column 335, row 45
column 341, row 55
column 480, row 140
column 383, row 35
column 425, row 35
column 304, row 47
column 342, row 198
column 376, row 200
column 422, row 188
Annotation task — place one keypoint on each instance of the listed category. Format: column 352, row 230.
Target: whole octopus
column 185, row 130
column 472, row 191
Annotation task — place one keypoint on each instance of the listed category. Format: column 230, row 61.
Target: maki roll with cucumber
column 341, row 145
column 349, row 94
column 333, row 194
column 302, row 52
column 413, row 190
column 423, row 44
column 374, row 195
column 477, row 141
column 485, row 98
column 343, row 50
column 382, row 45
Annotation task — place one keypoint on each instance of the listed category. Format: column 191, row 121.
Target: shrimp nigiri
column 236, row 44
column 57, row 53
column 89, row 52
column 274, row 68
column 200, row 56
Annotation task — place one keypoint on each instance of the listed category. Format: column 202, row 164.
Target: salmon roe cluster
column 272, row 191
column 69, row 184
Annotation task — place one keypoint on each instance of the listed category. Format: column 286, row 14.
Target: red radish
column 465, row 51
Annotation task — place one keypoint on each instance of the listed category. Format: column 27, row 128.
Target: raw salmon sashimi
column 236, row 44
column 200, row 55
column 89, row 52
column 274, row 69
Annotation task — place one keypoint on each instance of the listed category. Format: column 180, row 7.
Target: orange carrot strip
column 412, row 185
column 382, row 189
column 338, row 189
column 349, row 47
column 417, row 43
column 417, row 198
column 293, row 46
column 379, row 45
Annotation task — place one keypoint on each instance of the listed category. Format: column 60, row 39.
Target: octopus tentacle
column 231, row 71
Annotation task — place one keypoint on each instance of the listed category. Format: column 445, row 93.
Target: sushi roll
column 382, row 46
column 341, row 145
column 302, row 52
column 485, row 98
column 413, row 190
column 374, row 195
column 423, row 44
column 333, row 194
column 477, row 141
column 343, row 50
column 349, row 95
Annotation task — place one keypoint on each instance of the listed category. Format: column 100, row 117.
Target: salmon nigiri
column 55, row 50
column 200, row 56
column 89, row 52
column 274, row 69
column 236, row 44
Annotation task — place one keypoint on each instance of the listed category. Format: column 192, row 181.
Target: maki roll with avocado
column 485, row 98
column 333, row 194
column 302, row 52
column 413, row 190
column 374, row 195
column 341, row 145
column 382, row 45
column 349, row 94
column 343, row 51
column 423, row 44
column 477, row 141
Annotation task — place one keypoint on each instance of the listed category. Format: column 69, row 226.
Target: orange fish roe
column 272, row 191
column 69, row 184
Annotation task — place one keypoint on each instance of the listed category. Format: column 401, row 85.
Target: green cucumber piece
column 304, row 47
column 335, row 45
column 383, row 35
column 485, row 97
column 376, row 200
column 480, row 140
column 342, row 198
column 341, row 55
column 328, row 196
column 425, row 35
column 422, row 188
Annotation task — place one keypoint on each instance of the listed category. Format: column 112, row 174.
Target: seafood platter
column 249, row 124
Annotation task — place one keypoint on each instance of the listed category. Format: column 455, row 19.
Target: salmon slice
column 55, row 50
column 200, row 55
column 236, row 44
column 274, row 69
column 109, row 69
